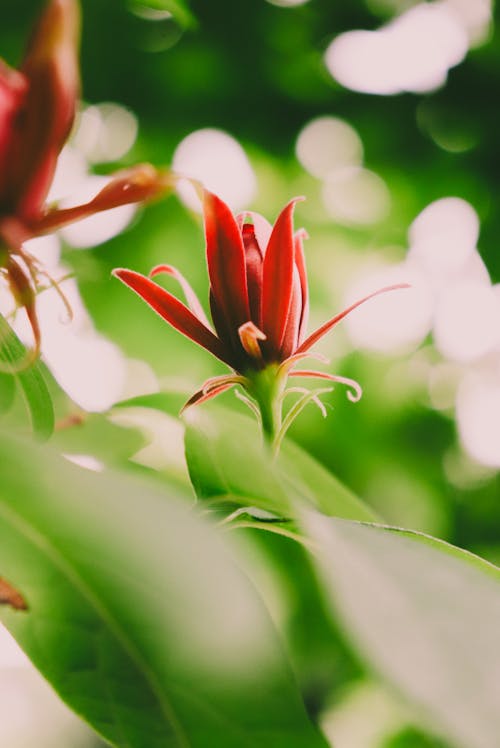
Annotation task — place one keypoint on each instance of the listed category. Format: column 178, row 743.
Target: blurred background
column 383, row 114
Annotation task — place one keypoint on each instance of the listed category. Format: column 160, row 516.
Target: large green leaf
column 138, row 613
column 227, row 460
column 425, row 614
column 7, row 392
column 30, row 380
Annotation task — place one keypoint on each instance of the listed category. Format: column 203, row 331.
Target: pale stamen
column 250, row 336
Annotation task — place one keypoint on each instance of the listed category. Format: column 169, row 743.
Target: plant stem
column 267, row 389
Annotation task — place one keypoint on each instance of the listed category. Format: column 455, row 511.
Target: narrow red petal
column 214, row 382
column 291, row 332
column 261, row 227
column 213, row 387
column 286, row 365
column 277, row 281
column 201, row 397
column 253, row 264
column 46, row 118
column 191, row 298
column 300, row 264
column 140, row 183
column 353, row 396
column 24, row 296
column 315, row 336
column 174, row 312
column 226, row 264
column 13, row 88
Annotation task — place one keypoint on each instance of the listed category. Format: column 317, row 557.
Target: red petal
column 253, row 263
column 277, row 282
column 358, row 392
column 201, row 396
column 291, row 333
column 24, row 295
column 226, row 264
column 261, row 227
column 174, row 312
column 212, row 387
column 137, row 184
column 315, row 336
column 51, row 69
column 300, row 263
column 13, row 87
column 191, row 297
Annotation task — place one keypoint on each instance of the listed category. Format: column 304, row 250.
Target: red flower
column 259, row 306
column 37, row 110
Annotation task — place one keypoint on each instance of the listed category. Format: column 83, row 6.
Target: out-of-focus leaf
column 138, row 614
column 167, row 402
column 7, row 392
column 178, row 8
column 226, row 459
column 425, row 614
column 31, row 382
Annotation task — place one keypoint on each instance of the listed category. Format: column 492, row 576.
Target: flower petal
column 291, row 332
column 261, row 227
column 214, row 382
column 24, row 296
column 253, row 265
column 191, row 298
column 174, row 312
column 138, row 184
column 46, row 118
column 315, row 336
column 353, row 396
column 13, row 87
column 285, row 366
column 300, row 264
column 212, row 387
column 226, row 264
column 201, row 397
column 277, row 281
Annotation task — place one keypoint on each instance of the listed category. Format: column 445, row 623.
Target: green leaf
column 7, row 392
column 178, row 8
column 30, row 380
column 426, row 616
column 138, row 613
column 226, row 459
column 167, row 402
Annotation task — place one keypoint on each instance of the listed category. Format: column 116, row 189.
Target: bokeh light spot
column 478, row 416
column 217, row 160
column 287, row 3
column 328, row 143
column 395, row 321
column 354, row 195
column 467, row 321
column 71, row 171
column 105, row 132
column 444, row 235
column 412, row 53
column 100, row 227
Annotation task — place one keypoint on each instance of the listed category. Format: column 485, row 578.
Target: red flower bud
column 37, row 110
column 44, row 115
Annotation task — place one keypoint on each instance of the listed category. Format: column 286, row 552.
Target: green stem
column 266, row 388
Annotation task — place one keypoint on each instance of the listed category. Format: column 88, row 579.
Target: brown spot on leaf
column 10, row 596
